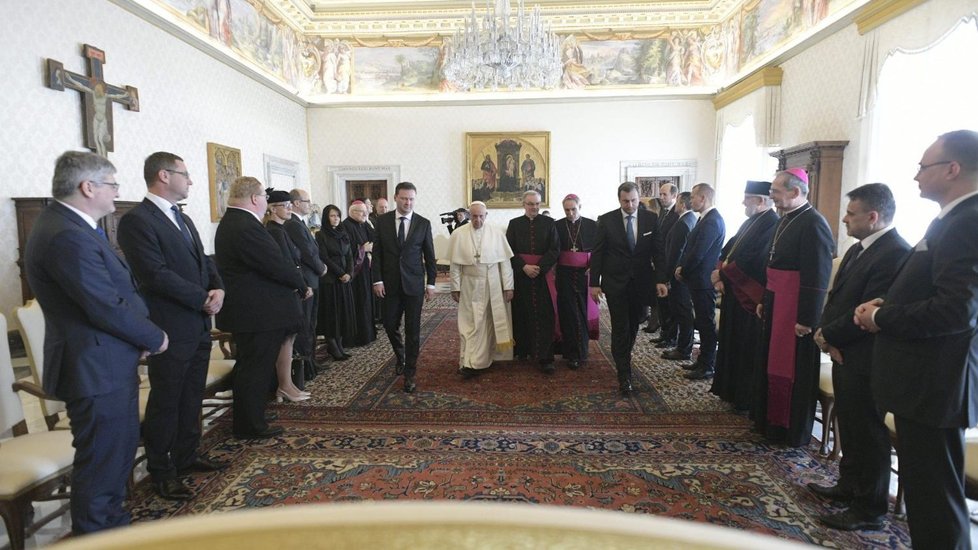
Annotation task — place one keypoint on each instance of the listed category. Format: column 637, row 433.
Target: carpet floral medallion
column 514, row 434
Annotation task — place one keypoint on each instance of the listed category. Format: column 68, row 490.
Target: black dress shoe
column 676, row 355
column 409, row 385
column 548, row 368
column 268, row 432
column 651, row 329
column 690, row 366
column 468, row 373
column 851, row 521
column 625, row 388
column 663, row 344
column 832, row 492
column 573, row 364
column 699, row 374
column 172, row 489
column 202, row 465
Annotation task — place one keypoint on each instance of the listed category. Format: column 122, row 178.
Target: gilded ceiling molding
column 766, row 76
column 878, row 12
column 384, row 42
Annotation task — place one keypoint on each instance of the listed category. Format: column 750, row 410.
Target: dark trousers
column 865, row 465
column 253, row 373
column 681, row 305
column 704, row 321
column 305, row 340
column 171, row 428
column 626, row 311
column 105, row 432
column 397, row 305
column 668, row 329
column 932, row 472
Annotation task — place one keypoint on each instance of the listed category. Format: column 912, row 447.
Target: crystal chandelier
column 503, row 53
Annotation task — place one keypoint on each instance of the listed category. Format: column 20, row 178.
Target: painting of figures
column 500, row 167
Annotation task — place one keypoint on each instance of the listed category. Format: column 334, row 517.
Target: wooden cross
column 98, row 96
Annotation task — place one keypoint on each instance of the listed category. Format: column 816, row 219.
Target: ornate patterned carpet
column 515, row 434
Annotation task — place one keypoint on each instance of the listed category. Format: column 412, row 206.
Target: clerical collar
column 796, row 209
column 950, row 206
column 868, row 241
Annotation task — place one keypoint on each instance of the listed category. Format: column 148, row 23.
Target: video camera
column 454, row 219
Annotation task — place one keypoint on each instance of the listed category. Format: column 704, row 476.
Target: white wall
column 588, row 141
column 187, row 99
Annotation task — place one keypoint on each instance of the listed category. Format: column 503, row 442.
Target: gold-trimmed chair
column 34, row 467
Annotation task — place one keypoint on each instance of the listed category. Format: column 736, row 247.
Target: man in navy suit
column 97, row 328
column 697, row 263
column 404, row 276
column 865, row 273
column 627, row 245
column 312, row 268
column 680, row 302
column 182, row 289
column 668, row 217
column 925, row 360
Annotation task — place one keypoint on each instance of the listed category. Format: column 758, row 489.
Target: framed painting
column 500, row 167
column 223, row 166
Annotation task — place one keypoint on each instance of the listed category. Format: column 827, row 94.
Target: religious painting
column 396, row 70
column 500, row 167
column 223, row 167
column 648, row 186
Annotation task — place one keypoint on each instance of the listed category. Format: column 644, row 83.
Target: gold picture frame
column 223, row 167
column 501, row 166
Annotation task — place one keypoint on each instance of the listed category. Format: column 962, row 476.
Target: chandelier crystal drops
column 502, row 52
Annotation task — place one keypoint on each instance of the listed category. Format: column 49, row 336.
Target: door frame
column 337, row 177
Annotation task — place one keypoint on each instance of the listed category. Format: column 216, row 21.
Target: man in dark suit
column 404, row 276
column 668, row 217
column 627, row 245
column 97, row 328
column 312, row 268
column 182, row 289
column 925, row 360
column 699, row 258
column 262, row 302
column 679, row 299
column 865, row 273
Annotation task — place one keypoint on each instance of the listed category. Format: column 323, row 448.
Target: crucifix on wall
column 98, row 97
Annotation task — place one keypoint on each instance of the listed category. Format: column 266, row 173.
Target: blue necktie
column 181, row 224
column 630, row 233
column 400, row 230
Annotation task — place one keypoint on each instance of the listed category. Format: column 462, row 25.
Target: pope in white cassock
column 482, row 284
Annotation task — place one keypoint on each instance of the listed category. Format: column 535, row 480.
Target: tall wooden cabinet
column 29, row 208
column 823, row 162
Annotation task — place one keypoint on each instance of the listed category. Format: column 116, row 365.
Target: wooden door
column 366, row 189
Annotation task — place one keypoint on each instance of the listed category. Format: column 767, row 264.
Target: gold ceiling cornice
column 877, row 12
column 766, row 76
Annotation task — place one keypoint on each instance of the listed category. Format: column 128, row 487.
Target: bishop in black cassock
column 577, row 236
column 798, row 269
column 741, row 276
column 360, row 234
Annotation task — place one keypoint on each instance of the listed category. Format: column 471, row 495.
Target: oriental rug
column 515, row 434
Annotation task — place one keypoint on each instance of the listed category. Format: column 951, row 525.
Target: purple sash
column 781, row 353
column 582, row 260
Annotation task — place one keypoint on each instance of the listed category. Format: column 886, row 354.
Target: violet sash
column 782, row 347
column 748, row 292
column 582, row 260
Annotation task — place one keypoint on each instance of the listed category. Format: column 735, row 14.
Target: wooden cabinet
column 29, row 208
column 823, row 162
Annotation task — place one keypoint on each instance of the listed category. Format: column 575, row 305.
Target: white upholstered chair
column 31, row 320
column 33, row 466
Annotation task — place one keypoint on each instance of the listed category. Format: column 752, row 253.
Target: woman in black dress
column 336, row 312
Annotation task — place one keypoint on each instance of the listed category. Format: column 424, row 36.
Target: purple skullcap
column 799, row 173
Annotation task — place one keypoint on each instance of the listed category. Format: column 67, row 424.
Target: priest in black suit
column 261, row 306
column 698, row 260
column 312, row 268
column 576, row 311
column 404, row 276
column 925, row 361
column 183, row 290
column 864, row 274
column 798, row 270
column 627, row 246
column 740, row 279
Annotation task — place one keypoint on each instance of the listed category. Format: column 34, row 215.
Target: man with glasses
column 312, row 268
column 183, row 290
column 536, row 247
column 262, row 306
column 97, row 329
column 925, row 361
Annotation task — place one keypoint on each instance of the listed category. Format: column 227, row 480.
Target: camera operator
column 455, row 219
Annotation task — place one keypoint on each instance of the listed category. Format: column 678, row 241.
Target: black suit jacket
column 614, row 266
column 174, row 275
column 95, row 321
column 262, row 289
column 925, row 361
column 702, row 250
column 858, row 281
column 667, row 219
column 311, row 265
column 676, row 241
column 404, row 268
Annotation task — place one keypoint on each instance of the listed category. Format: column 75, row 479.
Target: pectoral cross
column 98, row 96
column 477, row 256
column 574, row 248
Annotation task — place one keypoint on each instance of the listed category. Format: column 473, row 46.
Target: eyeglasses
column 113, row 184
column 926, row 166
column 280, row 204
column 184, row 174
column 265, row 195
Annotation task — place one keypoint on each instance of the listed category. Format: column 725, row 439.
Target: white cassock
column 480, row 272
